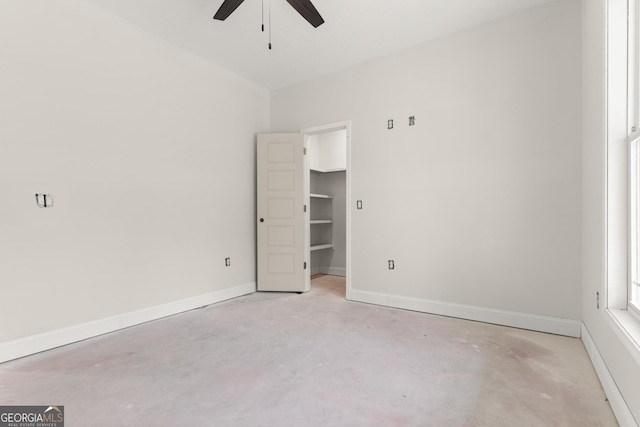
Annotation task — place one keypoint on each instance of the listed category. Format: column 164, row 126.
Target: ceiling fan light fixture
column 304, row 7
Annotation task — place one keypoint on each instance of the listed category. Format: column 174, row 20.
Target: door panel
column 281, row 217
column 280, row 207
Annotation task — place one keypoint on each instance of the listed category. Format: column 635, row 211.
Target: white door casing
column 281, row 213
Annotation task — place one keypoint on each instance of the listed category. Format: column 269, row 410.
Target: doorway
column 328, row 196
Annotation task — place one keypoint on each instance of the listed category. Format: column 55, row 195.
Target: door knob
column 261, row 219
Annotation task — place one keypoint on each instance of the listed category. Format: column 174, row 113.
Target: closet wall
column 330, row 261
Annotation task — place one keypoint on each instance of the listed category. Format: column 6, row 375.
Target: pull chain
column 269, row 24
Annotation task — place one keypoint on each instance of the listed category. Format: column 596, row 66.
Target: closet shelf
column 321, row 221
column 321, row 196
column 316, row 170
column 323, row 246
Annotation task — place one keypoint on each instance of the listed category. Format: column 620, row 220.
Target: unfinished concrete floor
column 314, row 359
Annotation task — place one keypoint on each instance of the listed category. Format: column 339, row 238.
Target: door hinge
column 304, row 150
column 305, row 265
column 304, row 209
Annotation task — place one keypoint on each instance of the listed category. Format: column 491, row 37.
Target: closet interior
column 327, row 153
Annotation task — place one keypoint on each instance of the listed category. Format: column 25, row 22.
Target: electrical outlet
column 392, row 264
column 598, row 300
column 359, row 204
column 412, row 120
column 390, row 124
column 227, row 262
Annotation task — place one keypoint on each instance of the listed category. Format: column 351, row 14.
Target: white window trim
column 633, row 130
column 617, row 159
column 627, row 328
column 634, row 310
column 621, row 151
column 634, row 223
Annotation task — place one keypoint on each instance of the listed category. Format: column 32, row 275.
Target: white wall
column 479, row 202
column 149, row 153
column 621, row 364
column 328, row 151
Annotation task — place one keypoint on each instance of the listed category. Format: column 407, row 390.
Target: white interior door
column 281, row 213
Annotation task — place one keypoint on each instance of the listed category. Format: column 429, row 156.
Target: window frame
column 633, row 302
column 620, row 169
column 633, row 139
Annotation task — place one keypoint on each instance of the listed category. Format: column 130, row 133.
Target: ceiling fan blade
column 227, row 8
column 308, row 11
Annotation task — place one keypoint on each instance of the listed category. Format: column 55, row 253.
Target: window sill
column 627, row 327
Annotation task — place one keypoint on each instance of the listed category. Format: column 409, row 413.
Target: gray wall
column 149, row 154
column 479, row 204
column 332, row 261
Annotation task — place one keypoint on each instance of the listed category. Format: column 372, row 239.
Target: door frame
column 316, row 130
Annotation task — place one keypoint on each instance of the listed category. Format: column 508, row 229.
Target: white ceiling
column 354, row 31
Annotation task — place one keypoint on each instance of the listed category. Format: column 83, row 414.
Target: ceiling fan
column 304, row 8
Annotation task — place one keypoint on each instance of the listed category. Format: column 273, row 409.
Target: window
column 633, row 138
column 622, row 306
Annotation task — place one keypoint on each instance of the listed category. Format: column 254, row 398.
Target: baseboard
column 617, row 402
column 45, row 341
column 332, row 271
column 553, row 325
